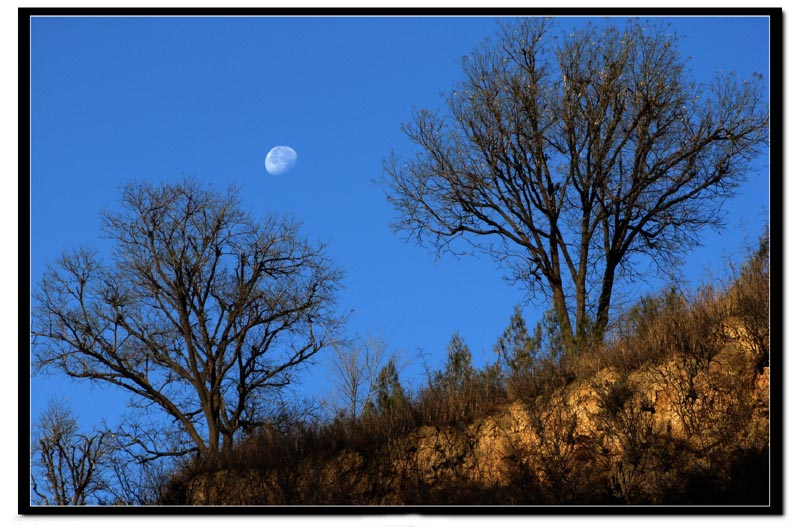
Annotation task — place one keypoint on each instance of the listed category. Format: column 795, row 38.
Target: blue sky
column 115, row 99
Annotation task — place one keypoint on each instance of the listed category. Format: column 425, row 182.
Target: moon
column 280, row 159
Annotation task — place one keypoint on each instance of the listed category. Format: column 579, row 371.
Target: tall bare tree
column 566, row 157
column 67, row 465
column 202, row 313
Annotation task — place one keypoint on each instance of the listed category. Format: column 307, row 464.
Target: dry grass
column 673, row 410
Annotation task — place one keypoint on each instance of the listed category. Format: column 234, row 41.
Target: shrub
column 749, row 296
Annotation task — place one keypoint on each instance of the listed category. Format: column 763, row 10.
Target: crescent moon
column 280, row 159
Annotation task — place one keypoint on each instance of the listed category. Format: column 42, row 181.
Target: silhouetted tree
column 566, row 158
column 67, row 466
column 203, row 313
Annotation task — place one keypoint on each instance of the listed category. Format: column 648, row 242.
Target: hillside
column 672, row 409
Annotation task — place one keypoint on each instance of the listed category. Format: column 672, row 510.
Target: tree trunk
column 604, row 301
column 562, row 314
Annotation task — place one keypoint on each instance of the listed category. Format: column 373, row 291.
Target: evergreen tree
column 516, row 348
column 459, row 362
column 389, row 392
column 552, row 341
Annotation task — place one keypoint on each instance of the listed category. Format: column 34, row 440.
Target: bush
column 749, row 296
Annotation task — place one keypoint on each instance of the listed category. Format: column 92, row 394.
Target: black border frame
column 777, row 370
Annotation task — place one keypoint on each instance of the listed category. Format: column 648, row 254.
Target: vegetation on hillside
column 671, row 409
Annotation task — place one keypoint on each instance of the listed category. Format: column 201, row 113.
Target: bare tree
column 567, row 157
column 203, row 313
column 355, row 369
column 67, row 466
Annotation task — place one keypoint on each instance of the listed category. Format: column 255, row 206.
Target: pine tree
column 389, row 392
column 552, row 341
column 458, row 370
column 516, row 348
